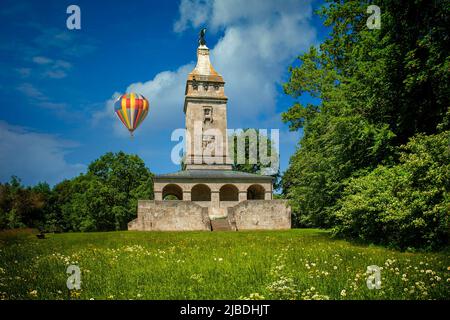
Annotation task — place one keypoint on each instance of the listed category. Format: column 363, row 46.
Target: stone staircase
column 220, row 224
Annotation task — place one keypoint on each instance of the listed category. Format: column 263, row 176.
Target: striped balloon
column 131, row 108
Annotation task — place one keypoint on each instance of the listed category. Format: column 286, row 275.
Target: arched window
column 200, row 192
column 172, row 192
column 229, row 192
column 255, row 192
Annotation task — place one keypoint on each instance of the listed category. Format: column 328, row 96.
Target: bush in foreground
column 406, row 205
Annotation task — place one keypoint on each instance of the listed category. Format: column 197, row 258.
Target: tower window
column 207, row 114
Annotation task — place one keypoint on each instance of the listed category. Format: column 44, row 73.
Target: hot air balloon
column 131, row 108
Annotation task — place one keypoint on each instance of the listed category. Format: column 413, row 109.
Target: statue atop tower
column 201, row 37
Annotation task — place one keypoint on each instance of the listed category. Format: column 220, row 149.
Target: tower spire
column 204, row 71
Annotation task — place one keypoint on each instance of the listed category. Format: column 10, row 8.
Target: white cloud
column 41, row 60
column 55, row 74
column 66, row 42
column 165, row 93
column 52, row 69
column 225, row 13
column 260, row 39
column 192, row 12
column 34, row 156
column 37, row 98
column 62, row 64
column 31, row 91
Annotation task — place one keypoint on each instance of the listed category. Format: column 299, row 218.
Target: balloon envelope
column 131, row 108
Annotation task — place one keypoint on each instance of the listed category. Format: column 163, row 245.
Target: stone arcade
column 210, row 195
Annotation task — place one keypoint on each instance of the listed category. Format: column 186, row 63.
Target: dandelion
column 335, row 267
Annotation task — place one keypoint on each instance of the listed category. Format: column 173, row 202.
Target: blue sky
column 58, row 85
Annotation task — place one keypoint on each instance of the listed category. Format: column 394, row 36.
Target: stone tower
column 205, row 107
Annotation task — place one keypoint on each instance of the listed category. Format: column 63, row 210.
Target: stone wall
column 170, row 216
column 260, row 215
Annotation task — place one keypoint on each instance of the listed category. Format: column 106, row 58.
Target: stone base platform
column 176, row 215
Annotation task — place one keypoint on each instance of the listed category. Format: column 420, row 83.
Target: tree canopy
column 259, row 156
column 376, row 90
column 102, row 199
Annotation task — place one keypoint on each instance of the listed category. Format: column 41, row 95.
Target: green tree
column 22, row 206
column 375, row 89
column 105, row 198
column 260, row 167
column 405, row 205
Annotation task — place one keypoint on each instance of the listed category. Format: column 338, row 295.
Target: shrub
column 406, row 205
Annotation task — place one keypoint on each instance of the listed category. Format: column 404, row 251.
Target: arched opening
column 172, row 192
column 201, row 192
column 255, row 192
column 229, row 192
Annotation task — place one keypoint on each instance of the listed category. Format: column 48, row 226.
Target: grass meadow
column 291, row 264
